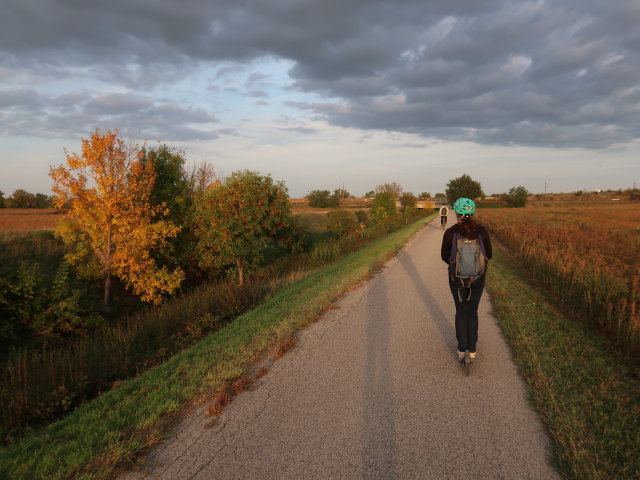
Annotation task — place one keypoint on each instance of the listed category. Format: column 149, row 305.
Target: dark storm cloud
column 561, row 73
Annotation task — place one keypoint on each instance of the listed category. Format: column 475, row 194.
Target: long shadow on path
column 379, row 453
column 439, row 317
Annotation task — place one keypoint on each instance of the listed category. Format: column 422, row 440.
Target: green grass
column 587, row 397
column 39, row 246
column 101, row 436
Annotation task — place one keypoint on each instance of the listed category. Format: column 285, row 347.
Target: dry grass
column 28, row 219
column 225, row 393
column 27, row 211
column 221, row 398
column 588, row 257
column 587, row 398
column 285, row 345
column 262, row 371
column 239, row 385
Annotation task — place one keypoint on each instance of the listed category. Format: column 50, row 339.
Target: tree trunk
column 107, row 287
column 240, row 272
column 107, row 278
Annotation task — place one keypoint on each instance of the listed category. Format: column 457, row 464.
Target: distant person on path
column 444, row 211
column 466, row 248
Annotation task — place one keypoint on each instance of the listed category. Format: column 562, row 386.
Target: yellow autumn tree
column 111, row 222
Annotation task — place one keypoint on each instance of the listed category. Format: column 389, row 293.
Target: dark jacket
column 447, row 240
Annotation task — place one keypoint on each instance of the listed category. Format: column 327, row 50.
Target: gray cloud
column 300, row 130
column 258, row 94
column 256, row 79
column 77, row 113
column 561, row 73
column 21, row 98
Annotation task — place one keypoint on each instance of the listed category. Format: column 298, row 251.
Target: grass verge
column 101, row 436
column 588, row 399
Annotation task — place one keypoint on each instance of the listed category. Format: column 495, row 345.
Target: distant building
column 440, row 201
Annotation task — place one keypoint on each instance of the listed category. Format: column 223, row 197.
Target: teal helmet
column 464, row 206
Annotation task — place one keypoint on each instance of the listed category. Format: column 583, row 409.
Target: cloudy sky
column 326, row 93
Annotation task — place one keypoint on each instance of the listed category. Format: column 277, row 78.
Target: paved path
column 372, row 390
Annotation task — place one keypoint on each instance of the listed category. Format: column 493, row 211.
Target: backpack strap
column 454, row 248
column 481, row 243
column 468, row 286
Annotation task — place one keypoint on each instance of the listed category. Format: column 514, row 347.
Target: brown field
column 28, row 219
column 587, row 257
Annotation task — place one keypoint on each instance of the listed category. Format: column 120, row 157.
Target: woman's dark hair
column 468, row 227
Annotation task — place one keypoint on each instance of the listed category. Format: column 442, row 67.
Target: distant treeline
column 23, row 199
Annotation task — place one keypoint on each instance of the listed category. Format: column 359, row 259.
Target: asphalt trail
column 373, row 391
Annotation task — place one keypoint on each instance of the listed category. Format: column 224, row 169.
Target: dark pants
column 443, row 219
column 467, row 313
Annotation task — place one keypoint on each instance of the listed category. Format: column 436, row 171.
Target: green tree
column 341, row 222
column 23, row 199
column 323, row 199
column 424, row 196
column 235, row 218
column 408, row 199
column 43, row 201
column 370, row 194
column 517, row 196
column 171, row 185
column 2, row 205
column 174, row 196
column 463, row 186
column 383, row 206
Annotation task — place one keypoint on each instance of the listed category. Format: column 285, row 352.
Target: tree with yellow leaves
column 112, row 225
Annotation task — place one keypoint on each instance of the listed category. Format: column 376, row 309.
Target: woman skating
column 463, row 241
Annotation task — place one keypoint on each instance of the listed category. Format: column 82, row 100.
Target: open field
column 587, row 258
column 28, row 219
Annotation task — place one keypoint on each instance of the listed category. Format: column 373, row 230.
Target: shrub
column 383, row 206
column 517, row 196
column 323, row 199
column 342, row 222
column 362, row 217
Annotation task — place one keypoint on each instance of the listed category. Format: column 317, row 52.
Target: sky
column 325, row 94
